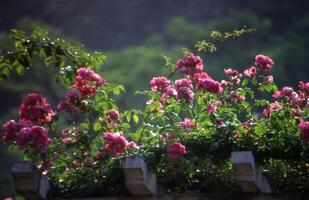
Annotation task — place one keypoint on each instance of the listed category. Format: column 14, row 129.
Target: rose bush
column 186, row 132
column 203, row 120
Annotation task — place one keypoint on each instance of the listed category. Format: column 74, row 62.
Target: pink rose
column 115, row 143
column 36, row 108
column 190, row 64
column 209, row 85
column 263, row 62
column 113, row 115
column 250, row 72
column 176, row 150
column 304, row 130
column 187, row 124
column 159, row 83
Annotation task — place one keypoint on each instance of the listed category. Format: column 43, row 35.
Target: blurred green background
column 135, row 34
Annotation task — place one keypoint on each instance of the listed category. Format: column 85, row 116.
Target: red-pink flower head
column 234, row 75
column 187, row 124
column 236, row 96
column 287, row 91
column 213, row 106
column 35, row 137
column 72, row 103
column 176, row 150
column 278, row 94
column 226, row 84
column 198, row 76
column 87, row 81
column 89, row 75
column 169, row 136
column 268, row 80
column 113, row 115
column 36, row 108
column 159, row 83
column 304, row 130
column 263, row 62
column 190, row 64
column 184, row 89
column 209, row 85
column 11, row 129
column 115, row 143
column 170, row 91
column 250, row 72
column 67, row 140
column 296, row 99
column 304, row 87
column 273, row 106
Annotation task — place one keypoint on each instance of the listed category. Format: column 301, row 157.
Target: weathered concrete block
column 247, row 174
column 138, row 180
column 28, row 180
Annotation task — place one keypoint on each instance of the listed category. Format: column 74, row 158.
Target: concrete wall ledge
column 206, row 197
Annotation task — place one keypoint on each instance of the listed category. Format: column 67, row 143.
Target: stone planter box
column 28, row 180
column 248, row 174
column 138, row 180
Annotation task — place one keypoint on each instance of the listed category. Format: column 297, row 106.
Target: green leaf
column 20, row 70
column 118, row 89
column 97, row 126
column 254, row 81
column 128, row 117
column 84, row 126
column 245, row 82
column 268, row 88
column 135, row 118
column 261, row 102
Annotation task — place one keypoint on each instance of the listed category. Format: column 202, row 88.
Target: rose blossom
column 187, row 124
column 169, row 136
column 236, row 96
column 184, row 89
column 268, row 80
column 231, row 72
column 87, row 81
column 250, row 72
column 304, row 87
column 72, row 103
column 304, row 130
column 159, row 83
column 197, row 76
column 226, row 84
column 67, row 140
column 287, row 91
column 36, row 108
column 113, row 115
column 209, row 85
column 115, row 143
column 190, row 64
column 211, row 108
column 89, row 75
column 11, row 129
column 263, row 62
column 234, row 75
column 36, row 137
column 176, row 150
column 278, row 94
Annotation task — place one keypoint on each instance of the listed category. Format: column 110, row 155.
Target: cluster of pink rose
column 87, row 82
column 116, row 143
column 191, row 67
column 36, row 108
column 176, row 150
column 33, row 109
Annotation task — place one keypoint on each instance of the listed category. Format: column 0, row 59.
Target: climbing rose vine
column 186, row 132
